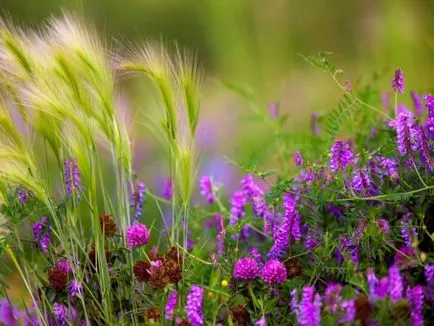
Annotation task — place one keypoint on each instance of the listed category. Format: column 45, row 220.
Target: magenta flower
column 221, row 233
column 429, row 273
column 194, row 306
column 171, row 305
column 398, row 81
column 137, row 235
column 341, row 155
column 309, row 308
column 63, row 264
column 273, row 272
column 246, row 269
column 238, row 202
column 349, row 308
column 206, row 189
column 409, row 233
column 23, row 196
column 383, row 225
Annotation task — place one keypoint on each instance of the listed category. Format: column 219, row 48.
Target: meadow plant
column 340, row 234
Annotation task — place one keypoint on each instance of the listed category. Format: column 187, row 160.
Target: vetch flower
column 416, row 296
column 168, row 189
column 309, row 308
column 395, row 284
column 23, row 196
column 238, row 202
column 9, row 315
column 169, row 310
column 72, row 177
column 405, row 128
column 383, row 225
column 417, row 103
column 246, row 269
column 137, row 235
column 207, row 189
column 194, row 306
column 398, row 81
column 423, row 146
column 138, row 198
column 429, row 273
column 341, row 155
column 409, row 233
column 298, row 158
column 250, row 188
column 254, row 252
column 273, row 272
column 75, row 288
column 261, row 322
column 349, row 308
column 221, row 233
column 332, row 297
column 60, row 312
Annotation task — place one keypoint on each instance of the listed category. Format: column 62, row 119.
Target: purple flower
column 60, row 313
column 168, row 189
column 405, row 128
column 350, row 246
column 298, row 158
column 221, row 233
column 314, row 124
column 341, row 155
column 273, row 109
column 194, row 306
column 429, row 105
column 415, row 297
column 9, row 314
column 138, row 198
column 312, row 238
column 41, row 234
column 72, row 177
column 398, row 81
column 349, row 308
column 250, row 188
column 246, row 269
column 75, row 288
column 137, row 235
column 38, row 228
column 273, row 272
column 423, row 146
column 405, row 257
column 417, row 103
column 429, row 273
column 206, row 189
column 238, row 202
column 260, row 206
column 409, row 234
column 309, row 308
column 23, row 196
column 332, row 297
column 383, row 225
column 290, row 227
column 395, row 284
column 372, row 282
column 362, row 183
column 63, row 264
column 171, row 305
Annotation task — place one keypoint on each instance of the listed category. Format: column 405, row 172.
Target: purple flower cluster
column 398, row 81
column 405, row 128
column 238, row 203
column 23, row 196
column 246, row 269
column 72, row 177
column 349, row 308
column 333, row 297
column 289, row 228
column 391, row 285
column 308, row 310
column 341, row 155
column 138, row 198
column 169, row 310
column 416, row 296
column 363, row 184
column 41, row 234
column 60, row 312
column 75, row 288
column 194, row 306
column 383, row 225
column 417, row 103
column 408, row 233
column 207, row 189
column 137, row 235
